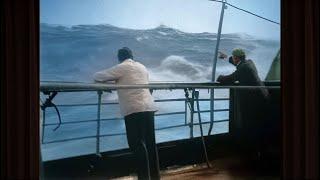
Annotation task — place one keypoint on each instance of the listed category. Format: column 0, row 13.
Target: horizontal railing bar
column 183, row 99
column 183, row 112
column 175, row 126
column 215, row 99
column 69, row 122
column 113, row 119
column 216, row 110
column 72, row 87
column 159, row 100
column 87, row 104
column 171, row 113
column 114, row 134
column 166, row 100
column 117, row 134
column 195, row 124
column 83, row 121
column 216, row 121
column 70, row 139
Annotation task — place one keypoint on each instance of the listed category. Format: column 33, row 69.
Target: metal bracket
column 49, row 103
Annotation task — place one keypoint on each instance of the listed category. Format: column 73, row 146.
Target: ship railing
column 51, row 89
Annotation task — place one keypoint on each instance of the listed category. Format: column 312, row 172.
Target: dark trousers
column 141, row 140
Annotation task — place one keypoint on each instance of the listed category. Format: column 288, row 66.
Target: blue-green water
column 73, row 148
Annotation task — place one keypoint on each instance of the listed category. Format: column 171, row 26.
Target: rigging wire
column 246, row 11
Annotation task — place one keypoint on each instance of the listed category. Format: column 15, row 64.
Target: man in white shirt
column 137, row 106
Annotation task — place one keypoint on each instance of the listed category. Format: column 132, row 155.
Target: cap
column 238, row 52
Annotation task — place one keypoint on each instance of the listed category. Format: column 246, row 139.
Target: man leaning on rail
column 137, row 106
column 253, row 101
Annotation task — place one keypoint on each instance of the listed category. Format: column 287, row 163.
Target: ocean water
column 74, row 53
column 57, row 150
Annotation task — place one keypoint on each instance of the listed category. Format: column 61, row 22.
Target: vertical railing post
column 201, row 129
column 185, row 111
column 214, row 67
column 191, row 113
column 43, row 125
column 98, row 124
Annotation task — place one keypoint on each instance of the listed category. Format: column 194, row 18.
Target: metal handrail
column 158, row 100
column 117, row 134
column 117, row 119
column 72, row 87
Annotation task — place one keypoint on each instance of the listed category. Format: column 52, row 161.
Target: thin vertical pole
column 201, row 130
column 43, row 124
column 98, row 124
column 185, row 112
column 214, row 68
column 191, row 113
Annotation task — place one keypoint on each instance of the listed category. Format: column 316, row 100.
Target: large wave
column 177, row 68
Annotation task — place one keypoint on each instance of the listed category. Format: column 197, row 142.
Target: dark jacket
column 247, row 75
column 253, row 102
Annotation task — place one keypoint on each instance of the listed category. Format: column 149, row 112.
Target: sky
column 186, row 15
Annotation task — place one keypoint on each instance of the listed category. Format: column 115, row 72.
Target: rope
column 246, row 11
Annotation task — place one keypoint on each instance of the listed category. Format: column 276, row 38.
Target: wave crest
column 177, row 68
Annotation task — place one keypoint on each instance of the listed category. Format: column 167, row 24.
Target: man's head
column 124, row 53
column 238, row 55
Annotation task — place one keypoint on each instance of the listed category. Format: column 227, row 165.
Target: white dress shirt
column 125, row 73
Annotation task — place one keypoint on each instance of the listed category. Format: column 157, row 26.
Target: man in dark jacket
column 252, row 101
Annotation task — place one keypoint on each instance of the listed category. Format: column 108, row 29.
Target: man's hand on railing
column 105, row 82
column 222, row 55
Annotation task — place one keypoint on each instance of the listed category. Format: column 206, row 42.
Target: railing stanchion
column 201, row 130
column 211, row 111
column 43, row 124
column 98, row 124
column 185, row 111
column 191, row 113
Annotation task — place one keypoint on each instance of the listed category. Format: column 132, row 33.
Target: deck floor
column 225, row 169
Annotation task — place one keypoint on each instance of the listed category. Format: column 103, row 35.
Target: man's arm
column 229, row 79
column 110, row 74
